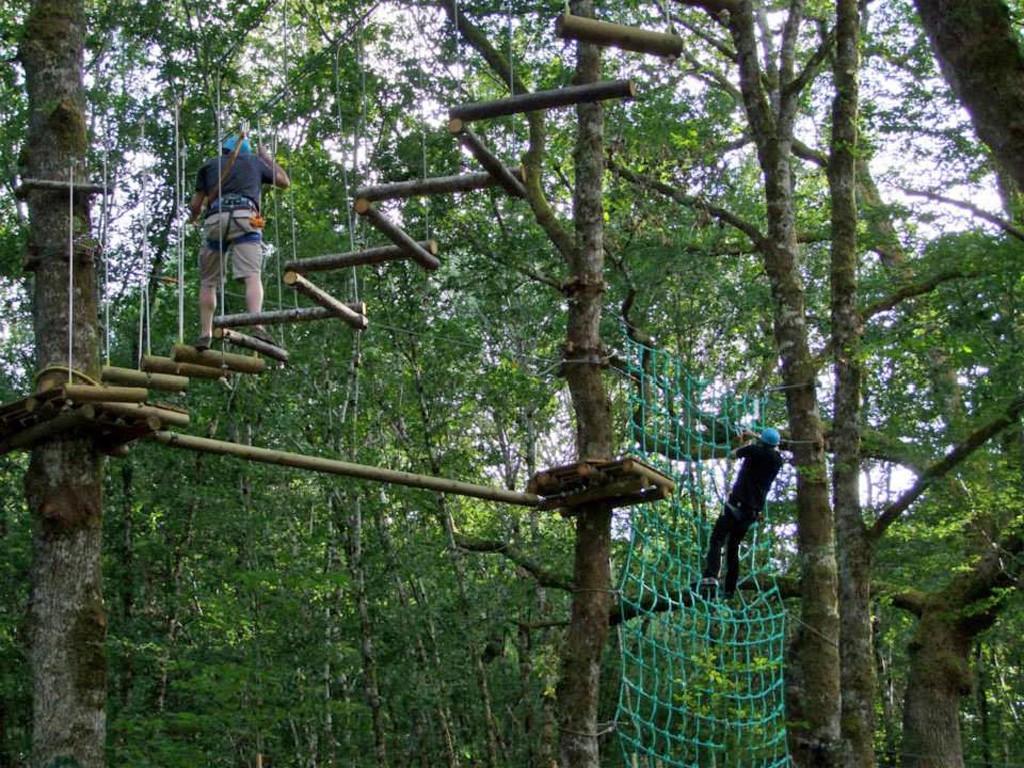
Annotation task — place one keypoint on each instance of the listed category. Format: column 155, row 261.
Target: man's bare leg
column 207, row 305
column 254, row 303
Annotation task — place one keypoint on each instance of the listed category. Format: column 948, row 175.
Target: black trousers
column 729, row 531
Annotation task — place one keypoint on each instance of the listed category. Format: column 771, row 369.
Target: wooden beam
column 276, row 317
column 156, row 364
column 133, row 378
column 422, row 257
column 29, row 184
column 88, row 393
column 325, row 300
column 335, row 467
column 511, row 181
column 183, row 353
column 533, row 102
column 139, row 412
column 44, row 430
column 376, row 255
column 438, row 185
column 251, row 342
column 570, row 27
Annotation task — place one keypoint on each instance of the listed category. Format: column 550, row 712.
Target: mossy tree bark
column 980, row 55
column 771, row 116
column 949, row 623
column 67, row 616
column 853, row 545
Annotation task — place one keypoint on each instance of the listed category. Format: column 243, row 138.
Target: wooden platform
column 617, row 483
column 64, row 411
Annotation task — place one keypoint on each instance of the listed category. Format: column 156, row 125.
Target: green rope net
column 702, row 682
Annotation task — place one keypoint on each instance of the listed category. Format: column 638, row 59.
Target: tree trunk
column 980, row 55
column 853, row 545
column 68, row 622
column 939, row 677
column 579, row 686
column 816, row 644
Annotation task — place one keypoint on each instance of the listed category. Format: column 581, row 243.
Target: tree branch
column 947, row 464
column 927, row 285
column 991, row 218
column 543, row 576
column 689, row 201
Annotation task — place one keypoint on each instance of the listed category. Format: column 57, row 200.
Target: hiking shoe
column 202, row 343
column 259, row 332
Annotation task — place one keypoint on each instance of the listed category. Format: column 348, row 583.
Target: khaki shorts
column 246, row 258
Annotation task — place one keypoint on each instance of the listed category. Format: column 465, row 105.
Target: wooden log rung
column 376, row 255
column 232, row 336
column 539, row 100
column 134, row 378
column 325, row 300
column 276, row 317
column 87, row 393
column 137, row 412
column 157, row 364
column 511, row 181
column 437, row 185
column 571, row 27
column 396, row 235
column 183, row 353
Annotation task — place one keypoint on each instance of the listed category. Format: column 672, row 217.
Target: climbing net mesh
column 702, row 682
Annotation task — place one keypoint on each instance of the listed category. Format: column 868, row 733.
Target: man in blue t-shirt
column 760, row 467
column 229, row 186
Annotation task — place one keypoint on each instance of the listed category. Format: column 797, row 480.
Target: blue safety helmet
column 231, row 141
column 770, row 436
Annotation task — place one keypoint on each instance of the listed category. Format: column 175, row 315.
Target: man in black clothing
column 230, row 187
column 760, row 467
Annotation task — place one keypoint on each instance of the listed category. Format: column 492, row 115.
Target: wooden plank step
column 157, row 364
column 616, row 482
column 133, row 378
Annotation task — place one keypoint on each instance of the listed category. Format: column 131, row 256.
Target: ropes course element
column 581, row 28
column 702, row 678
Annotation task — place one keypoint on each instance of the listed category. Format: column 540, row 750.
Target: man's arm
column 195, row 206
column 281, row 180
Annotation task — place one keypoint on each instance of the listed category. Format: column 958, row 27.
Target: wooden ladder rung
column 251, row 342
column 511, row 180
column 437, row 185
column 533, row 102
column 325, row 300
column 278, row 316
column 378, row 255
column 570, row 27
column 424, row 258
column 183, row 353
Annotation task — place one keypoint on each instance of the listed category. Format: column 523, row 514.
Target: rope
column 69, row 371
column 179, row 223
column 71, row 265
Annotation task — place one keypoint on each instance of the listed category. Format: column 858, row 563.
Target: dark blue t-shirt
column 760, row 467
column 245, row 177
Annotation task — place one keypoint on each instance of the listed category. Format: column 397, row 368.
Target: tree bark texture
column 853, row 544
column 980, row 55
column 939, row 677
column 67, row 626
column 579, row 686
column 771, row 122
